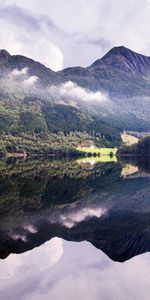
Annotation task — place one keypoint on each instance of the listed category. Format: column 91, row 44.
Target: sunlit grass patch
column 100, row 151
column 94, row 160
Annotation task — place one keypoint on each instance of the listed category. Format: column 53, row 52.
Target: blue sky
column 67, row 33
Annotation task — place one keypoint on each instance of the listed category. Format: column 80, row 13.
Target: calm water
column 74, row 230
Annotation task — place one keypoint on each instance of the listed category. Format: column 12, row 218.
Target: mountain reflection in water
column 55, row 204
column 106, row 204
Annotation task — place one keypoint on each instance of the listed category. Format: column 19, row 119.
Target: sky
column 73, row 33
column 66, row 270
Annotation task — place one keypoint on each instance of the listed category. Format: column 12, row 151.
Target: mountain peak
column 124, row 59
column 120, row 50
column 4, row 54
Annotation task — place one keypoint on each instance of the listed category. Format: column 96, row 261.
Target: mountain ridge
column 118, row 62
column 113, row 51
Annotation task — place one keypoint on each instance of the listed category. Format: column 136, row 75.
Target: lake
column 74, row 229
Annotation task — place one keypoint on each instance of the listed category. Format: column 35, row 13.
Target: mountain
column 121, row 61
column 126, row 60
column 103, row 99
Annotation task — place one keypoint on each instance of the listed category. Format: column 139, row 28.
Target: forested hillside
column 43, row 107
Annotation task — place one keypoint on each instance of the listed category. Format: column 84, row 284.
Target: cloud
column 23, row 77
column 30, row 228
column 48, row 53
column 15, row 14
column 23, row 17
column 30, row 81
column 9, row 42
column 21, row 33
column 83, row 37
column 70, row 90
column 38, row 49
column 11, row 264
column 48, row 255
column 73, row 218
column 122, row 22
column 32, row 275
column 17, row 237
column 97, row 41
column 17, row 73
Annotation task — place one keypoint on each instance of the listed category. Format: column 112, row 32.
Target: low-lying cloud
column 30, row 81
column 72, row 218
column 68, row 90
column 72, row 91
column 17, row 73
column 23, row 77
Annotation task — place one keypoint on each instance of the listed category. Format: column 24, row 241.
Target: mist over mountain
column 110, row 95
column 121, row 73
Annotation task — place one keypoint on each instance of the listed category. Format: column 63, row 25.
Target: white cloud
column 48, row 53
column 43, row 51
column 23, row 77
column 31, row 228
column 8, row 41
column 17, row 73
column 73, row 218
column 71, row 90
column 39, row 49
column 48, row 255
column 17, row 237
column 105, row 22
column 11, row 264
column 30, row 81
column 83, row 37
column 31, row 275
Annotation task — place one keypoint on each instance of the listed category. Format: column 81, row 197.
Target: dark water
column 74, row 230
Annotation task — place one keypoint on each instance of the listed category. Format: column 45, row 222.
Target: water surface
column 74, row 230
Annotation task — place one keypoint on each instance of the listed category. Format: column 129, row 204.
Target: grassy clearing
column 129, row 140
column 129, row 170
column 94, row 160
column 101, row 151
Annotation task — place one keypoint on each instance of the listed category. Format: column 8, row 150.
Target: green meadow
column 100, row 151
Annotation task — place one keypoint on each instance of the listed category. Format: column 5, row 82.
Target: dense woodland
column 50, row 129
